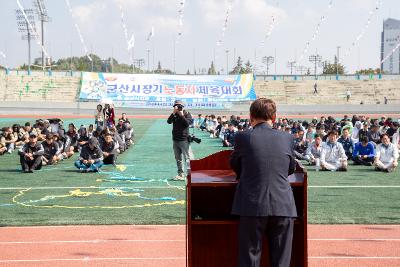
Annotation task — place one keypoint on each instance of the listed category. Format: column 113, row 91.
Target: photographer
column 180, row 119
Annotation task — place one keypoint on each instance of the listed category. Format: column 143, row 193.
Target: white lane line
column 87, row 241
column 92, row 259
column 355, row 257
column 355, row 239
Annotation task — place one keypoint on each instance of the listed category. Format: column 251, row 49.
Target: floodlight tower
column 316, row 59
column 43, row 17
column 301, row 69
column 28, row 33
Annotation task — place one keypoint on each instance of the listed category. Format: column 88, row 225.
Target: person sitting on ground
column 364, row 152
column 124, row 117
column 313, row 153
column 124, row 131
column 31, row 155
column 347, row 143
column 356, row 131
column 393, row 129
column 364, row 131
column 373, row 135
column 51, row 150
column 91, row 157
column 229, row 137
column 90, row 130
column 3, row 147
column 110, row 149
column 387, row 155
column 333, row 157
column 25, row 131
column 310, row 133
column 320, row 130
column 9, row 138
column 300, row 145
column 122, row 146
column 17, row 133
column 68, row 150
column 225, row 127
column 56, row 138
column 83, row 136
column 73, row 136
column 396, row 139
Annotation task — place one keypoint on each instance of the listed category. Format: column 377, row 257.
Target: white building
column 389, row 39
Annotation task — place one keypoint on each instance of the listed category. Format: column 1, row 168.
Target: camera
column 192, row 138
column 180, row 107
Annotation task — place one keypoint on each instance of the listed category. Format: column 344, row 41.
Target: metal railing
column 349, row 77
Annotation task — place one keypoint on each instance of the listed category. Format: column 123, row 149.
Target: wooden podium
column 212, row 231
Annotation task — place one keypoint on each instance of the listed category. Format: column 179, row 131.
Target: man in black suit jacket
column 263, row 159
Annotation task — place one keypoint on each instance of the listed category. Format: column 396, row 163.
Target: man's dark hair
column 364, row 139
column 27, row 124
column 263, row 108
column 49, row 136
column 383, row 135
column 332, row 132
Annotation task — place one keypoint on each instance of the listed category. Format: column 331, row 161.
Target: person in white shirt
column 333, row 157
column 387, row 155
column 313, row 152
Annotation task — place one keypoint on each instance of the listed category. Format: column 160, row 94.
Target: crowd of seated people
column 327, row 143
column 221, row 127
column 46, row 142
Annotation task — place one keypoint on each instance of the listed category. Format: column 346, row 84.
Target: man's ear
column 274, row 118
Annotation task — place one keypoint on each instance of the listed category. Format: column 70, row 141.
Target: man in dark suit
column 263, row 159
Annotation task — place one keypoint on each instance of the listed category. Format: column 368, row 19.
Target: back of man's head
column 263, row 109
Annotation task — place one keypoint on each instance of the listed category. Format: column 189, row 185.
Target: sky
column 291, row 24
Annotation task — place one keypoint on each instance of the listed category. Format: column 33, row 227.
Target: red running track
column 162, row 246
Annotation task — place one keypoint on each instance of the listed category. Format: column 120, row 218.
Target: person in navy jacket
column 263, row 159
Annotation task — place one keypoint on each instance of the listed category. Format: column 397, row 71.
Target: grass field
column 140, row 190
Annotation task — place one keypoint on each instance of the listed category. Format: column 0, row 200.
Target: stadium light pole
column 43, row 17
column 227, row 61
column 291, row 65
column 24, row 28
column 315, row 59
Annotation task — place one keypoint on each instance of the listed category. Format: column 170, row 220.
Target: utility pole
column 292, row 66
column 315, row 59
column 268, row 61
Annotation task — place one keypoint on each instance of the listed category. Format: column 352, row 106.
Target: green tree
column 211, row 70
column 239, row 67
column 248, row 68
column 369, row 71
column 335, row 68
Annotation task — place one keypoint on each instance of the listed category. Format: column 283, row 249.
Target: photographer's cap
column 33, row 135
column 178, row 103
